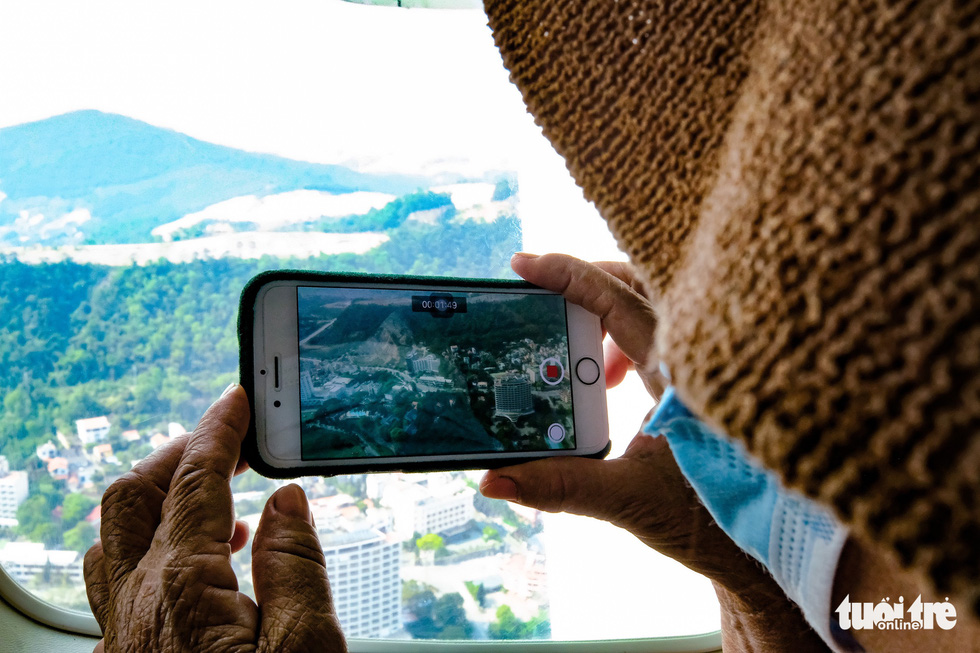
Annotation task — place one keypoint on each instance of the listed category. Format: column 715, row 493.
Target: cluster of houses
column 76, row 460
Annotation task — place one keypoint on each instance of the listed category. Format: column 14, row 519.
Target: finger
column 131, row 510
column 626, row 273
column 616, row 363
column 242, row 465
column 290, row 577
column 96, row 584
column 198, row 510
column 581, row 486
column 626, row 315
column 642, row 491
column 240, row 537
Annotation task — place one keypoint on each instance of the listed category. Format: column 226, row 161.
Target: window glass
column 154, row 157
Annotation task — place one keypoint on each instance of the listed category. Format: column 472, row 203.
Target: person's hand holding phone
column 643, row 491
column 613, row 291
column 161, row 576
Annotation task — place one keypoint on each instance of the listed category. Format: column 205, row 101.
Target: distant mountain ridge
column 130, row 177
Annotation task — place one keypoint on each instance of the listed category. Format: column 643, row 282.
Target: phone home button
column 587, row 371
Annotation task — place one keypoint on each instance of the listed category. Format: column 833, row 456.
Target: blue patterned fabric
column 798, row 540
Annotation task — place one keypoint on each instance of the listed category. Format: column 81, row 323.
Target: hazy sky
column 317, row 80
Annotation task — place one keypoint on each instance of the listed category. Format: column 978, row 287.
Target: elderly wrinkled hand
column 161, row 576
column 643, row 491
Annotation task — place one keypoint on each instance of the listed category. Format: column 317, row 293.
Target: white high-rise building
column 364, row 568
column 427, row 363
column 306, row 387
column 13, row 490
column 512, row 396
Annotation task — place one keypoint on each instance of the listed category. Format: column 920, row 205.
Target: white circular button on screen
column 556, row 432
column 587, row 371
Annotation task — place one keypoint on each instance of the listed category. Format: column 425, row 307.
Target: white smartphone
column 347, row 373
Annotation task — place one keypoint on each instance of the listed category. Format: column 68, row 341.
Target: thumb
column 290, row 578
column 581, row 486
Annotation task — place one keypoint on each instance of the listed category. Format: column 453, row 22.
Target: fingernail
column 523, row 255
column 291, row 501
column 231, row 387
column 499, row 487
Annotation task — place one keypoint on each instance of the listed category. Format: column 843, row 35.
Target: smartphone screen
column 402, row 372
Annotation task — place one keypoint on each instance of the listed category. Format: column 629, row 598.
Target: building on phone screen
column 512, row 396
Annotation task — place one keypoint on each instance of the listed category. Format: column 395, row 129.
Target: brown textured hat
column 800, row 184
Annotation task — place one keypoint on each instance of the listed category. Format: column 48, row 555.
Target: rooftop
column 99, row 422
column 33, row 553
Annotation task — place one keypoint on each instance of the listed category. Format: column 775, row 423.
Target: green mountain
column 131, row 177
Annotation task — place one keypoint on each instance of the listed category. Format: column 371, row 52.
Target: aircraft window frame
column 538, row 236
column 79, row 623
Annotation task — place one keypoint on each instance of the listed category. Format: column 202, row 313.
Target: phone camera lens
column 277, row 403
column 262, row 372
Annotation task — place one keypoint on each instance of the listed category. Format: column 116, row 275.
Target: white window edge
column 39, row 610
column 85, row 624
column 705, row 643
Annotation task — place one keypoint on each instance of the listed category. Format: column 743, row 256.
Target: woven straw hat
column 799, row 183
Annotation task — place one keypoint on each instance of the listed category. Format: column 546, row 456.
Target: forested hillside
column 131, row 176
column 150, row 344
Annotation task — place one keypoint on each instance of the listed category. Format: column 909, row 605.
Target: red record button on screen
column 552, row 371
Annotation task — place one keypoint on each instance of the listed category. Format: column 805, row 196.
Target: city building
column 92, row 429
column 157, row 440
column 427, row 363
column 306, row 387
column 364, row 568
column 13, row 490
column 175, row 430
column 26, row 560
column 58, row 468
column 94, row 516
column 525, row 574
column 438, row 504
column 131, row 436
column 445, row 513
column 46, row 451
column 435, row 382
column 337, row 387
column 101, row 453
column 85, row 473
column 512, row 396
